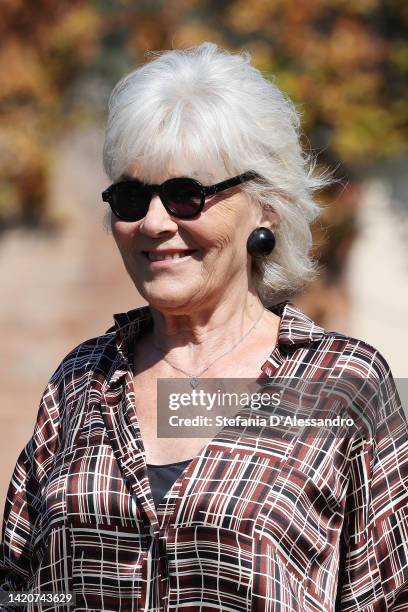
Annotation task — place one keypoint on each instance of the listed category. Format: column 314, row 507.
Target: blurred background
column 345, row 65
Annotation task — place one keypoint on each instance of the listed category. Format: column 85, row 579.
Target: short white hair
column 211, row 114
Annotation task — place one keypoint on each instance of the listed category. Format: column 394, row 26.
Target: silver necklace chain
column 194, row 378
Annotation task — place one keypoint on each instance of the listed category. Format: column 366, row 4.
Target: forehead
column 154, row 171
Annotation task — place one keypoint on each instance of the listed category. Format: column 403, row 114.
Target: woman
column 211, row 203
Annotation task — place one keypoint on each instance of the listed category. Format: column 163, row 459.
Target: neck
column 194, row 337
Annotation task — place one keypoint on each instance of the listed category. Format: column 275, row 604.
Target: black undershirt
column 162, row 478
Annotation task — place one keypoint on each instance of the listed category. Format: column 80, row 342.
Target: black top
column 162, row 478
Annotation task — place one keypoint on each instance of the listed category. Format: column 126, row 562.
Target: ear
column 268, row 217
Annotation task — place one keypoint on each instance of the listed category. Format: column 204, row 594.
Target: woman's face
column 208, row 253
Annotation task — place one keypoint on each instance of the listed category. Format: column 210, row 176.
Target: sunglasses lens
column 130, row 200
column 183, row 196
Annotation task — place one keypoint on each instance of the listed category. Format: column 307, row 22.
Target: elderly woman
column 211, row 202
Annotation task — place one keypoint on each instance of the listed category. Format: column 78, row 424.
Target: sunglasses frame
column 204, row 191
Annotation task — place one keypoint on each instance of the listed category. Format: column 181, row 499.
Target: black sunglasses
column 183, row 198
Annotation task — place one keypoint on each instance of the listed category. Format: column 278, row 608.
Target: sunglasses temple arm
column 230, row 183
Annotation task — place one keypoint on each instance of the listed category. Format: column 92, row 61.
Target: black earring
column 261, row 241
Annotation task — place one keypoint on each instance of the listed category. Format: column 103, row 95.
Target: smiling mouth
column 155, row 256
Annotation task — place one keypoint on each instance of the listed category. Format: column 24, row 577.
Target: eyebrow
column 193, row 175
column 126, row 177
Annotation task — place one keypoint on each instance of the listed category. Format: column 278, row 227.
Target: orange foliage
column 344, row 63
column 43, row 47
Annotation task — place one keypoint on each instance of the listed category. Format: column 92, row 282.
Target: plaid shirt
column 253, row 523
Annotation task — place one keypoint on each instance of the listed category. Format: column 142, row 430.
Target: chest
column 161, row 450
column 244, row 501
column 231, row 375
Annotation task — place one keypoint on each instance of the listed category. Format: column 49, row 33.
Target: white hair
column 213, row 115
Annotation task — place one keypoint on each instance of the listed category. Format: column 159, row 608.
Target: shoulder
column 350, row 371
column 354, row 356
column 322, row 352
column 90, row 350
column 81, row 364
column 358, row 368
column 93, row 361
column 333, row 356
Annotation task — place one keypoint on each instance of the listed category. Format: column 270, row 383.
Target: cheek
column 220, row 229
column 125, row 235
column 231, row 232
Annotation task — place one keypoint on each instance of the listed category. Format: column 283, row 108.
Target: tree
column 44, row 46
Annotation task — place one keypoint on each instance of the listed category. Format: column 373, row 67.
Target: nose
column 157, row 220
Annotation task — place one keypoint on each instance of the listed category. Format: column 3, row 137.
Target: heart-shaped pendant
column 194, row 381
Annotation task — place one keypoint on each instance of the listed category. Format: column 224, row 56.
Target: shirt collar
column 296, row 328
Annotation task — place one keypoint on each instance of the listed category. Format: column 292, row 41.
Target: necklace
column 194, row 378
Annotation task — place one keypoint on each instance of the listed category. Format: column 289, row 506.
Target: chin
column 168, row 298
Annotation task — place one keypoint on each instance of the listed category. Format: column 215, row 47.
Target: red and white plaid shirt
column 254, row 523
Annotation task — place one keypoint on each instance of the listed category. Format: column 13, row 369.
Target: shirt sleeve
column 373, row 573
column 22, row 511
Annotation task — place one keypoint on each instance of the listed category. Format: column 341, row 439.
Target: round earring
column 261, row 241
